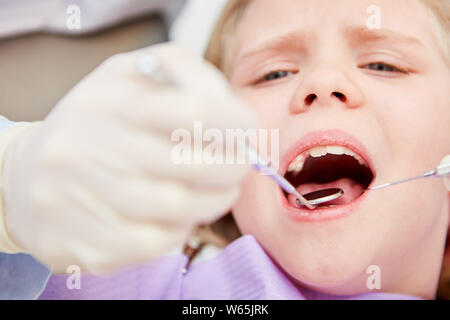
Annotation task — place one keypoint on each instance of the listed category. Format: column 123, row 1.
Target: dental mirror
column 321, row 196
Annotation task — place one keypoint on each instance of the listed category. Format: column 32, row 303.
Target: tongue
column 352, row 190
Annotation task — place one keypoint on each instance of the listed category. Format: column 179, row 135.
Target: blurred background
column 41, row 58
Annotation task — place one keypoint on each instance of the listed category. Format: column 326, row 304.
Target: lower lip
column 320, row 214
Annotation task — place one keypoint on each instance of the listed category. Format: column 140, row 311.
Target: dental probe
column 262, row 165
column 442, row 170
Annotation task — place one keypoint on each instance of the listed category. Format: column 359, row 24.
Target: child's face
column 386, row 88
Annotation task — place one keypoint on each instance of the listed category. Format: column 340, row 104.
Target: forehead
column 268, row 19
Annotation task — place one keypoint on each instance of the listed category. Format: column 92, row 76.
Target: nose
column 325, row 86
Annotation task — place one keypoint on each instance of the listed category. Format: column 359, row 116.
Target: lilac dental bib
column 241, row 271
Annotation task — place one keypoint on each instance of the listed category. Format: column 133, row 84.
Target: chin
column 328, row 268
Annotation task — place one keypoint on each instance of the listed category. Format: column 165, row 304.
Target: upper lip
column 326, row 138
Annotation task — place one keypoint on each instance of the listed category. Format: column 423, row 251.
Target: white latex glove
column 94, row 186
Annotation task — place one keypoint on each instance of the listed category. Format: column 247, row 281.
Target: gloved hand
column 94, row 185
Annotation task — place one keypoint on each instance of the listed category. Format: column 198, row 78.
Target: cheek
column 415, row 122
column 257, row 212
column 269, row 103
column 249, row 210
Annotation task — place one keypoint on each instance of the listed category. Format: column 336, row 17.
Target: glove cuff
column 7, row 245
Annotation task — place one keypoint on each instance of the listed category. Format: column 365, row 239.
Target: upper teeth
column 316, row 152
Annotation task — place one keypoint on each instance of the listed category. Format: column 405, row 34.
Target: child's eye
column 275, row 75
column 383, row 67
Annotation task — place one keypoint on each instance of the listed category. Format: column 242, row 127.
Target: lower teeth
column 299, row 205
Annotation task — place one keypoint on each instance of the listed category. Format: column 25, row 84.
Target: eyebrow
column 292, row 41
column 360, row 34
column 355, row 35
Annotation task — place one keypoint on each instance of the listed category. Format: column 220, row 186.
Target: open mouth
column 329, row 166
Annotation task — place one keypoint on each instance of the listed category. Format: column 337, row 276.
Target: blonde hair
column 225, row 230
column 229, row 21
column 441, row 10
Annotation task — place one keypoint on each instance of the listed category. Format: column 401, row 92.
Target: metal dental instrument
column 261, row 164
column 311, row 200
column 440, row 171
column 322, row 196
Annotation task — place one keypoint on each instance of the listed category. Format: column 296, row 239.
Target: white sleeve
column 8, row 130
column 195, row 23
column 21, row 276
